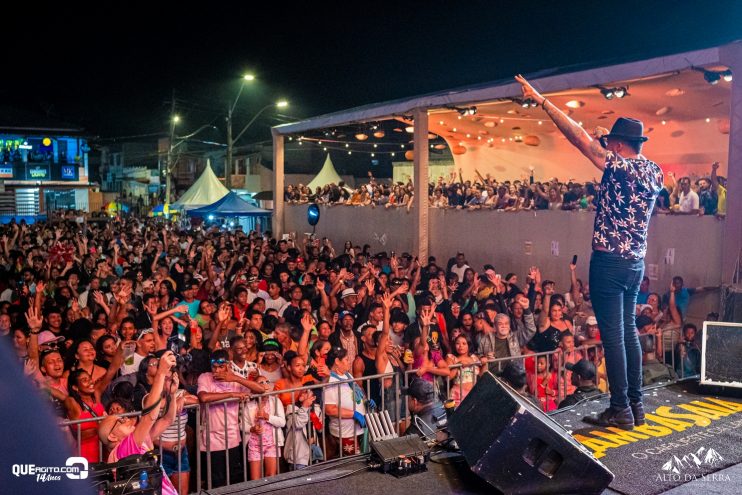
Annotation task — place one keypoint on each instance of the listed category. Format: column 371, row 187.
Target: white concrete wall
column 500, row 238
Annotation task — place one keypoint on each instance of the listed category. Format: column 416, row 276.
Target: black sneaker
column 620, row 418
column 637, row 409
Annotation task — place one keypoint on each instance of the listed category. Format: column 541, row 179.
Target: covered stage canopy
column 686, row 117
column 205, row 191
column 328, row 175
column 690, row 103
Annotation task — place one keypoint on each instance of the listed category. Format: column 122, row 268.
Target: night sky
column 112, row 70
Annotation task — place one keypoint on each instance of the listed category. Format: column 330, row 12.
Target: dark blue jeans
column 614, row 285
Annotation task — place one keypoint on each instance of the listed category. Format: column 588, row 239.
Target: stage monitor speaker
column 518, row 449
column 721, row 348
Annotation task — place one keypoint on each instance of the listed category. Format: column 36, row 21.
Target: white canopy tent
column 328, row 175
column 205, row 191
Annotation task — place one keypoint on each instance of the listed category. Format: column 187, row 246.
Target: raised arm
column 116, row 362
column 306, row 327
column 175, row 406
column 673, row 307
column 154, row 399
column 573, row 131
column 714, row 178
column 544, row 321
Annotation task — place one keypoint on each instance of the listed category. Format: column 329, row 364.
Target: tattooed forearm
column 576, row 135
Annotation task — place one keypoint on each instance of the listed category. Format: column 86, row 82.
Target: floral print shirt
column 628, row 191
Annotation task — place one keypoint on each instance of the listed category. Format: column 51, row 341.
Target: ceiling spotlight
column 610, row 93
column 711, row 77
column 464, row 111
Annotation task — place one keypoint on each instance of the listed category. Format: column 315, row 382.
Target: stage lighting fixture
column 619, row 92
column 711, row 77
column 727, row 75
column 464, row 111
column 607, row 93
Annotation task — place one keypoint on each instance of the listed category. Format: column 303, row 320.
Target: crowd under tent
column 690, row 103
column 232, row 206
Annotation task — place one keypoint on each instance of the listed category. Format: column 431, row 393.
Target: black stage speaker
column 721, row 348
column 517, row 448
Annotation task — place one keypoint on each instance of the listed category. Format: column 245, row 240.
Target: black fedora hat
column 628, row 129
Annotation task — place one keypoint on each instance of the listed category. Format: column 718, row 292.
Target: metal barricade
column 461, row 378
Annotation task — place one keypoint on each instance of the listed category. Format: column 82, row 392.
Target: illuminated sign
column 25, row 146
column 6, row 172
column 68, row 171
column 37, row 173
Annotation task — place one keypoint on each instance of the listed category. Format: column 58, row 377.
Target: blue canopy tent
column 232, row 205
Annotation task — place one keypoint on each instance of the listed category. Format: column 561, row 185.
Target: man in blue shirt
column 682, row 294
column 628, row 190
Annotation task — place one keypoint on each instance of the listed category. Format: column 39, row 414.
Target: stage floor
column 690, row 435
column 683, row 420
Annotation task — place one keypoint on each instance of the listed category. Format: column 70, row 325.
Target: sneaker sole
column 623, row 426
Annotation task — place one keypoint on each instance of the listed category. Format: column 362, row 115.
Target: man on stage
column 628, row 190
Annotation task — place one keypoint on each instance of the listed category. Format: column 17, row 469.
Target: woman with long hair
column 82, row 357
column 552, row 323
column 84, row 401
column 463, row 376
column 105, row 350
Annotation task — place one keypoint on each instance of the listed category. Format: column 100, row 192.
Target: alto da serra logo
column 701, row 457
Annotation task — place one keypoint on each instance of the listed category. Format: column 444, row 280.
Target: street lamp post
column 168, row 162
column 230, row 141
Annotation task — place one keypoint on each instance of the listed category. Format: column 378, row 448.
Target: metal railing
column 446, row 388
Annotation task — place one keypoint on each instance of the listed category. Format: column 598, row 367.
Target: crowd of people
column 113, row 317
column 703, row 195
